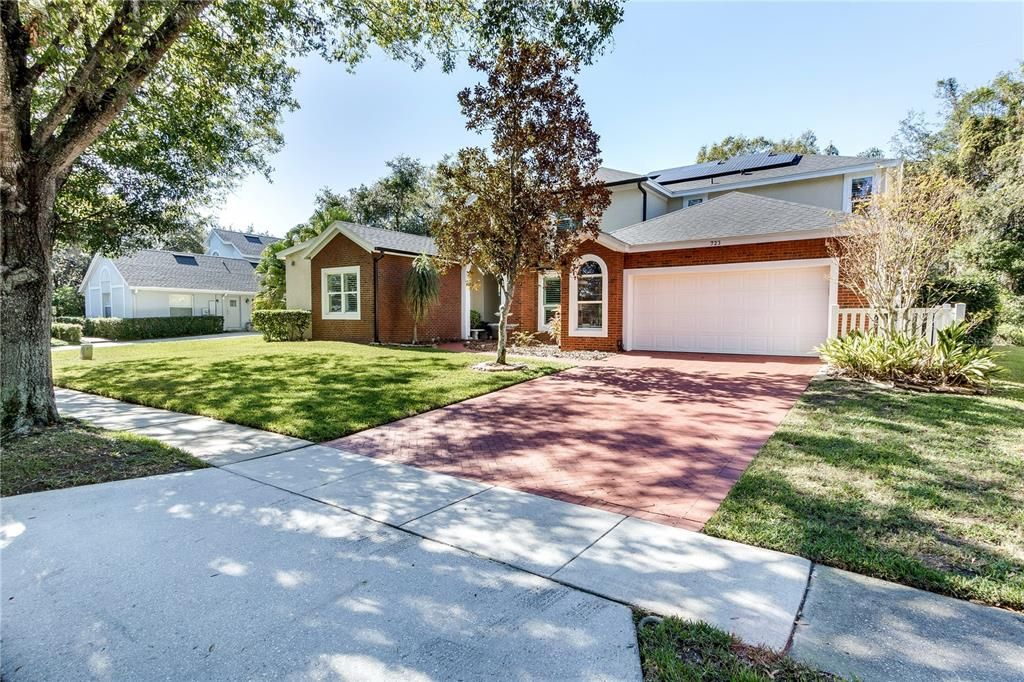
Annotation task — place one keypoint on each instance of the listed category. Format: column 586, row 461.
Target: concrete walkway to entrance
column 296, row 558
column 656, row 436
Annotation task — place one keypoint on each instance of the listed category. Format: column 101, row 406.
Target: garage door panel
column 771, row 311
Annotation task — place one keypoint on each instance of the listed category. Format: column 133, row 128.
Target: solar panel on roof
column 737, row 164
column 252, row 239
column 185, row 260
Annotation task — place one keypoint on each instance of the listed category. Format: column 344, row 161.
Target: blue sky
column 679, row 75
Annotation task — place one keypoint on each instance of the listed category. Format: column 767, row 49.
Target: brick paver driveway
column 658, row 436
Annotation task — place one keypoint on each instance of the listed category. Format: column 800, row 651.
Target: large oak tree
column 534, row 197
column 119, row 116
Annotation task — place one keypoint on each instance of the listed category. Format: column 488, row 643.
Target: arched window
column 588, row 298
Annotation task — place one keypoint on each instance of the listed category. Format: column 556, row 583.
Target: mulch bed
column 544, row 350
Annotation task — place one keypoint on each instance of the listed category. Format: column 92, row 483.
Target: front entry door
column 232, row 313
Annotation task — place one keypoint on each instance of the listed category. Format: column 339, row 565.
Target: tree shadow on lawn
column 849, row 524
column 316, row 396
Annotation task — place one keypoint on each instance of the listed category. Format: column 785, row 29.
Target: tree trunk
column 26, row 247
column 414, row 341
column 506, row 289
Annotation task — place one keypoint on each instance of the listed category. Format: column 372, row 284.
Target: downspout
column 643, row 214
column 376, row 332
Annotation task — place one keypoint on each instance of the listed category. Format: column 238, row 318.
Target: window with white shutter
column 339, row 292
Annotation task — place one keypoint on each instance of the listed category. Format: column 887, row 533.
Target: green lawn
column 919, row 488
column 316, row 390
column 676, row 651
column 73, row 453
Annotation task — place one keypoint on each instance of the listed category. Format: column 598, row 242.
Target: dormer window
column 858, row 191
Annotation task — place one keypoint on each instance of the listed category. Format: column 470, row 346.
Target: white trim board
column 573, row 330
column 861, row 169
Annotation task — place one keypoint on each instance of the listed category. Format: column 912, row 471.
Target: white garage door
column 778, row 311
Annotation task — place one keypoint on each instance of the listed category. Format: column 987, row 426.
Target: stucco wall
column 297, row 288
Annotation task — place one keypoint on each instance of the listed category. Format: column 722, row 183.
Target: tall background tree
column 978, row 141
column 533, row 198
column 329, row 207
column 736, row 145
column 105, row 110
column 402, row 200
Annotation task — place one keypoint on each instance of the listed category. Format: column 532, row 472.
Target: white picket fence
column 923, row 322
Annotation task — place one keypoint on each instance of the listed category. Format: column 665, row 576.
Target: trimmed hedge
column 130, row 329
column 69, row 333
column 281, row 325
column 981, row 296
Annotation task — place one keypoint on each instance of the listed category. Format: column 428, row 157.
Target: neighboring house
column 232, row 244
column 721, row 257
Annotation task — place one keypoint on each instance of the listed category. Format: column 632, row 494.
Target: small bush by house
column 130, row 329
column 981, row 296
column 68, row 333
column 953, row 361
column 70, row 319
column 281, row 325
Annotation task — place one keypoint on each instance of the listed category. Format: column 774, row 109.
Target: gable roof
column 369, row 238
column 805, row 164
column 612, row 176
column 249, row 245
column 174, row 270
column 735, row 214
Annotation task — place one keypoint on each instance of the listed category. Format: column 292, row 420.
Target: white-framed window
column 857, row 190
column 339, row 291
column 694, row 201
column 549, row 298
column 180, row 305
column 588, row 298
column 106, row 304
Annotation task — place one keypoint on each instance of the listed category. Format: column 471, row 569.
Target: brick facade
column 717, row 255
column 394, row 321
column 613, row 341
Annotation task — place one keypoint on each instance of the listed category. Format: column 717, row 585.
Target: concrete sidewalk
column 849, row 624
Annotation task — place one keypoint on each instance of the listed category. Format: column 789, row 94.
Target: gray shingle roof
column 732, row 215
column 391, row 239
column 606, row 175
column 241, row 241
column 809, row 163
column 213, row 273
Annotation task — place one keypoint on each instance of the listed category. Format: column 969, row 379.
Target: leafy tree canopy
column 736, row 145
column 209, row 111
column 402, row 200
column 329, row 208
column 533, row 197
column 979, row 141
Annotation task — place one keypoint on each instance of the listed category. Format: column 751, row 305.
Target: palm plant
column 422, row 289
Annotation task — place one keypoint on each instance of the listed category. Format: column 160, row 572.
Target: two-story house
column 721, row 257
